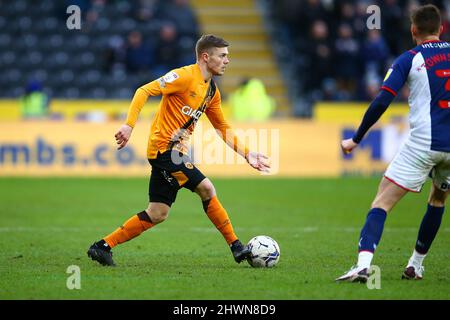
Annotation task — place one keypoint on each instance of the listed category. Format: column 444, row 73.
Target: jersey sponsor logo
column 191, row 112
column 443, row 73
column 436, row 45
column 444, row 104
column 170, row 77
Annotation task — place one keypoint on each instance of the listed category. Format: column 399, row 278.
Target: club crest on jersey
column 208, row 100
column 189, row 165
column 191, row 112
column 388, row 74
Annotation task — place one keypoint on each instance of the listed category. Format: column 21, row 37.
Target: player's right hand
column 123, row 135
column 348, row 145
column 258, row 161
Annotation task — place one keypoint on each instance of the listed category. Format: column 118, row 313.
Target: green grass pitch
column 46, row 225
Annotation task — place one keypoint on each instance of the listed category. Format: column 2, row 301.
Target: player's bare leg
column 219, row 217
column 155, row 213
column 387, row 197
column 427, row 232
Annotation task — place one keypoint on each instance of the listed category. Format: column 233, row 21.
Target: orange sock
column 130, row 229
column 218, row 215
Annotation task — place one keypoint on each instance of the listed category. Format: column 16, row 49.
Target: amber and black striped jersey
column 185, row 97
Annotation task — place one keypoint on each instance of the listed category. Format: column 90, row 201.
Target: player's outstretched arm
column 373, row 113
column 123, row 135
column 215, row 115
column 392, row 83
column 258, row 161
column 140, row 97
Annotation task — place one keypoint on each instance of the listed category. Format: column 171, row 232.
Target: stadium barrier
column 297, row 148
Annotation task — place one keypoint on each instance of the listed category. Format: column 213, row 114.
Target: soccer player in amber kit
column 426, row 70
column 187, row 93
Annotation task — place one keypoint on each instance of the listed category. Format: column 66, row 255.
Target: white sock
column 416, row 259
column 364, row 259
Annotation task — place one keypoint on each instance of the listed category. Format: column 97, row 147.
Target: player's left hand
column 258, row 161
column 123, row 135
column 348, row 145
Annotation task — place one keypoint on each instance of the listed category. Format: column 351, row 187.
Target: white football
column 265, row 252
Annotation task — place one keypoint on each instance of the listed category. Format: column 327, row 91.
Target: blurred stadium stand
column 91, row 62
column 329, row 54
column 123, row 44
column 304, row 51
column 243, row 24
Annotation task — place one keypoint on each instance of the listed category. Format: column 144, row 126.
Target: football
column 265, row 252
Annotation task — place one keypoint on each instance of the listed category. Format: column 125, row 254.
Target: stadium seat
column 13, row 75
column 3, row 24
column 8, row 57
column 68, row 93
column 38, row 74
column 46, row 7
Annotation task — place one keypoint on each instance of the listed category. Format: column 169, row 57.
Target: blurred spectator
column 375, row 52
column 182, row 16
column 330, row 91
column 167, row 49
column 180, row 13
column 347, row 65
column 145, row 10
column 320, row 55
column 288, row 12
column 446, row 24
column 359, row 24
column 372, row 88
column 93, row 13
column 34, row 103
column 138, row 55
column 115, row 54
column 391, row 15
column 250, row 101
column 347, row 14
column 311, row 11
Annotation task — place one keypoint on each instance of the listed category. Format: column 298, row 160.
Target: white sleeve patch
column 162, row 83
column 170, row 77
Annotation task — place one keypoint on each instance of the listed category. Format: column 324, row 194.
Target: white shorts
column 411, row 167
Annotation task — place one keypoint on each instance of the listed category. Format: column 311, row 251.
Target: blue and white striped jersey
column 426, row 70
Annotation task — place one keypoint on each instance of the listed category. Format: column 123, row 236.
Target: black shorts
column 172, row 171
